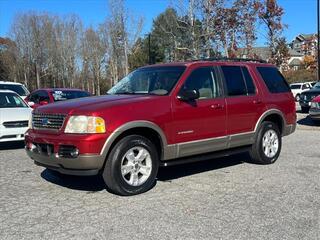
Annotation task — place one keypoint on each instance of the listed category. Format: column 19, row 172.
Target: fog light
column 74, row 153
column 67, row 151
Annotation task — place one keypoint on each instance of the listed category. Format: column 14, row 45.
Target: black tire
column 112, row 172
column 304, row 109
column 256, row 153
column 297, row 98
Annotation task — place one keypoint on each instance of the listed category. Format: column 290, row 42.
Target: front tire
column 267, row 145
column 297, row 98
column 132, row 166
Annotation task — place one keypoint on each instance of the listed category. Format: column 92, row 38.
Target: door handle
column 216, row 106
column 257, row 101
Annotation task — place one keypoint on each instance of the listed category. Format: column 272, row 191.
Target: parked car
column 14, row 116
column 16, row 87
column 312, row 83
column 50, row 95
column 307, row 96
column 298, row 88
column 314, row 112
column 162, row 115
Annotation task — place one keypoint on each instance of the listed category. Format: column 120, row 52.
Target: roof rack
column 232, row 59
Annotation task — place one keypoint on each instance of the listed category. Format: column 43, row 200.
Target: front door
column 200, row 125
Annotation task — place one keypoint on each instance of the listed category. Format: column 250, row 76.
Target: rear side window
column 238, row 80
column 273, row 79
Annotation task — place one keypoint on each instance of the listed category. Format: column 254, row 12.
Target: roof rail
column 232, row 59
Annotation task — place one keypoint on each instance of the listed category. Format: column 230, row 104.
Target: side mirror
column 188, row 95
column 43, row 102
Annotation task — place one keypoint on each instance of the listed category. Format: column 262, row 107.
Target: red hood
column 91, row 104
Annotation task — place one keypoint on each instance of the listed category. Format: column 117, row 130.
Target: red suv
column 162, row 115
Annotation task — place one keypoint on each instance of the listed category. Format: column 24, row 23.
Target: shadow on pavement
column 96, row 183
column 178, row 171
column 11, row 145
column 307, row 121
column 90, row 183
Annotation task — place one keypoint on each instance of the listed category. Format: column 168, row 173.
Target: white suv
column 298, row 88
column 14, row 116
column 15, row 87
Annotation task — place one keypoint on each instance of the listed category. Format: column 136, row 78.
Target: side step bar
column 204, row 157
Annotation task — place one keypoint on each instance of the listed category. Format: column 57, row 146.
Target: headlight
column 314, row 105
column 85, row 124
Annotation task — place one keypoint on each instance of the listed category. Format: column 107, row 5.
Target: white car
column 16, row 87
column 14, row 116
column 298, row 88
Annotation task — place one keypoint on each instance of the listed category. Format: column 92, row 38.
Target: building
column 293, row 62
column 305, row 44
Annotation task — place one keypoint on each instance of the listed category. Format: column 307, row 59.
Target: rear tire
column 267, row 145
column 132, row 166
column 297, row 98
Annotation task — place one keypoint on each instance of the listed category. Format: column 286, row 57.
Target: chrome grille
column 47, row 121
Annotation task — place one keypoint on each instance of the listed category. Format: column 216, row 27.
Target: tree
column 309, row 62
column 94, row 56
column 270, row 13
column 9, row 66
column 282, row 55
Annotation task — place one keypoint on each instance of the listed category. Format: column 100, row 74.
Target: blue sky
column 300, row 15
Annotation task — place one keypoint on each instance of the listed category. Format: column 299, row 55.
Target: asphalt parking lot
column 224, row 198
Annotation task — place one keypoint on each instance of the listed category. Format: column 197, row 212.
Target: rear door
column 244, row 105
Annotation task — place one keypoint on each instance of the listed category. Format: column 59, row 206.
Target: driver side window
column 204, row 81
column 34, row 98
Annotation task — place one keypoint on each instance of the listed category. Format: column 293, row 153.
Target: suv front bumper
column 44, row 149
column 83, row 165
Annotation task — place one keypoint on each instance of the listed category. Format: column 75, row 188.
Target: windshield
column 66, row 95
column 317, row 85
column 152, row 80
column 295, row 86
column 20, row 89
column 11, row 100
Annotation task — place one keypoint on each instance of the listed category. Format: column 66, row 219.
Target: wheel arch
column 272, row 115
column 147, row 129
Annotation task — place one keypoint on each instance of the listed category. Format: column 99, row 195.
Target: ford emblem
column 45, row 121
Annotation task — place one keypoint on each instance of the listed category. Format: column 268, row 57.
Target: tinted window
column 248, row 80
column 234, row 80
column 44, row 96
column 20, row 89
column 273, row 79
column 11, row 100
column 295, row 86
column 34, row 97
column 66, row 95
column 204, row 81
